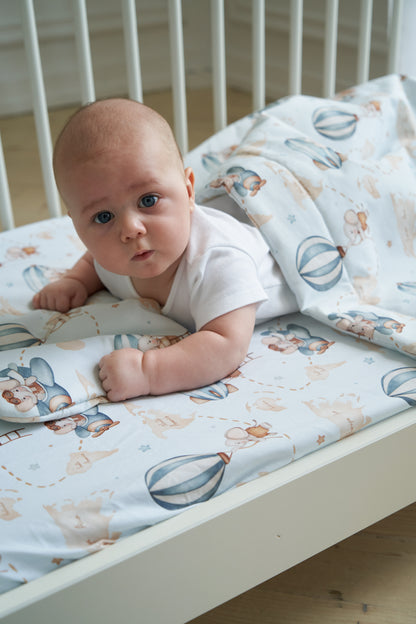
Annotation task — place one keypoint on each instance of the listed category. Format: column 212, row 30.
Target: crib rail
column 178, row 69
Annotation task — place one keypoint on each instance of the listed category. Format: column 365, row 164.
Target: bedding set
column 331, row 185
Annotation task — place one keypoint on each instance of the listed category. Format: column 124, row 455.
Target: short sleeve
column 223, row 279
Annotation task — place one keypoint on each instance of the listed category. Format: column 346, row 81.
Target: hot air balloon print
column 37, row 276
column 34, row 277
column 186, row 480
column 15, row 336
column 322, row 156
column 319, row 262
column 401, row 383
column 334, row 123
column 407, row 287
column 125, row 341
column 212, row 161
column 214, row 392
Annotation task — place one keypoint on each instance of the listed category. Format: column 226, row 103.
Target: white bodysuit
column 226, row 265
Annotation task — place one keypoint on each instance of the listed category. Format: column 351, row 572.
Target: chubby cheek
column 105, row 251
column 111, row 260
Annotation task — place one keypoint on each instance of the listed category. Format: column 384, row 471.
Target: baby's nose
column 132, row 226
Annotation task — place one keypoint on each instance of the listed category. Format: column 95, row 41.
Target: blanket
column 79, row 473
column 331, row 186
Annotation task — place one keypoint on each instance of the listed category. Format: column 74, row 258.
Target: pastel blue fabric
column 331, row 186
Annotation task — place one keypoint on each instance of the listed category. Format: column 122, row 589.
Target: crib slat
column 178, row 74
column 84, row 51
column 39, row 106
column 218, row 64
column 259, row 54
column 295, row 52
column 394, row 37
column 364, row 41
column 131, row 40
column 330, row 53
column 6, row 213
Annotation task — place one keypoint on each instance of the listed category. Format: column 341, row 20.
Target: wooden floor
column 369, row 578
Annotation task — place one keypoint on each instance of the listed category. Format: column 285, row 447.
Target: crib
column 351, row 390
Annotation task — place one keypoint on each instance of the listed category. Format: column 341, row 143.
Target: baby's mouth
column 140, row 256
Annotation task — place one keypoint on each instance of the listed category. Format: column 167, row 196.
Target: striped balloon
column 212, row 161
column 123, row 341
column 319, row 154
column 334, row 123
column 401, row 383
column 35, row 277
column 407, row 287
column 186, row 480
column 215, row 391
column 319, row 262
column 15, row 336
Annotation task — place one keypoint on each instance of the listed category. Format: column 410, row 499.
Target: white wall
column 55, row 28
column 277, row 43
column 59, row 57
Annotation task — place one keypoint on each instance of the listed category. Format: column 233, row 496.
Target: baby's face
column 131, row 206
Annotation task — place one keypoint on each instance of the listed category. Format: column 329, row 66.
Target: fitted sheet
column 331, row 186
column 76, row 485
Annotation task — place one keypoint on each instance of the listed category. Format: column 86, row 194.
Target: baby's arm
column 198, row 360
column 72, row 289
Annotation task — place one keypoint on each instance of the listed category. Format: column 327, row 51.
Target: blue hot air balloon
column 401, row 383
column 334, row 123
column 122, row 341
column 212, row 161
column 319, row 262
column 15, row 336
column 186, row 480
column 215, row 391
column 407, row 287
column 321, row 155
column 36, row 276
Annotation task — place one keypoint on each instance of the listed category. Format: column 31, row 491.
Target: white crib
column 248, row 534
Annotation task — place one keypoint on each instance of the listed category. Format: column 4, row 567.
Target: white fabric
column 227, row 265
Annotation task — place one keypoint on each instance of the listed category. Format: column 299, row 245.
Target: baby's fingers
column 35, row 301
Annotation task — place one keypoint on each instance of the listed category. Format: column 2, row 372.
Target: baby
column 121, row 176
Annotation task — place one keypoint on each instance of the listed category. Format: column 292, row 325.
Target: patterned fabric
column 338, row 211
column 332, row 186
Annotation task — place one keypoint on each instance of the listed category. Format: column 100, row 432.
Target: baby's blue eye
column 148, row 201
column 103, row 217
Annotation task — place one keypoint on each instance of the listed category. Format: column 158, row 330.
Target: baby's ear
column 190, row 183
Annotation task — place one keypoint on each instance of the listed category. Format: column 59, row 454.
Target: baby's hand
column 62, row 295
column 122, row 375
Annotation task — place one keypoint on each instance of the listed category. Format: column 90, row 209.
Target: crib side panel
column 179, row 569
column 266, row 24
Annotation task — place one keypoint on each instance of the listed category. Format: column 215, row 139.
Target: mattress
column 76, row 485
column 331, row 186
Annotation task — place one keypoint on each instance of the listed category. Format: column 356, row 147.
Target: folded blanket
column 331, row 184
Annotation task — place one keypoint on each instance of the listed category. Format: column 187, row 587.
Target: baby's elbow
column 237, row 355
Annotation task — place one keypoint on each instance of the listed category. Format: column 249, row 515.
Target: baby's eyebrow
column 141, row 187
column 147, row 182
column 94, row 204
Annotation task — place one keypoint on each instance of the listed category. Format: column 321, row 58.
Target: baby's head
column 121, row 175
column 105, row 125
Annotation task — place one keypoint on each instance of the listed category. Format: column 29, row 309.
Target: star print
column 369, row 360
